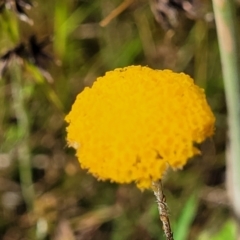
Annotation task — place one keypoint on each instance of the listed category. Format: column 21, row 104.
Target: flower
column 18, row 6
column 32, row 52
column 136, row 122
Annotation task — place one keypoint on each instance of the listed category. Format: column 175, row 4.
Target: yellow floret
column 135, row 122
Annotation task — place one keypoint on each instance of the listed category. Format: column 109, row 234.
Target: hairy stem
column 162, row 208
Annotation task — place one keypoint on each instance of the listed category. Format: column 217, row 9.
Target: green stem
column 23, row 151
column 227, row 37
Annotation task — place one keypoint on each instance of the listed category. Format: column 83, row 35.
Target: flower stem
column 162, row 208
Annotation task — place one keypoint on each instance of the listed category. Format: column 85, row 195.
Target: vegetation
column 49, row 52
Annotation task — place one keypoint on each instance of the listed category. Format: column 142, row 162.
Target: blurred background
column 51, row 50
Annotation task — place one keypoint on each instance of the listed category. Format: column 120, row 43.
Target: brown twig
column 162, row 208
column 118, row 10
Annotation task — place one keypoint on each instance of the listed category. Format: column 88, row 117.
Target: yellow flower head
column 135, row 122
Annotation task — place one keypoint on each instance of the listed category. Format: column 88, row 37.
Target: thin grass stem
column 23, row 151
column 227, row 37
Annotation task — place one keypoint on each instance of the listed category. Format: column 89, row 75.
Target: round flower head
column 135, row 122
